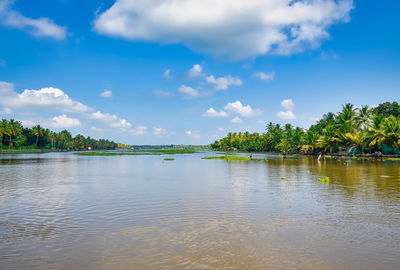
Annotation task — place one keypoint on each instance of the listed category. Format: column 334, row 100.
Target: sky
column 189, row 71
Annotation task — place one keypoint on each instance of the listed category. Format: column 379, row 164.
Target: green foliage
column 324, row 180
column 113, row 154
column 13, row 136
column 169, row 159
column 363, row 130
column 229, row 158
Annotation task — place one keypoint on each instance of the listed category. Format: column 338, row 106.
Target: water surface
column 61, row 211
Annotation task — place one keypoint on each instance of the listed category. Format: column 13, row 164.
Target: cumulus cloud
column 138, row 131
column 41, row 27
column 167, row 74
column 63, row 121
column 223, row 83
column 158, row 131
column 162, row 93
column 288, row 115
column 112, row 120
column 193, row 134
column 287, row 104
column 96, row 129
column 195, row 71
column 189, row 91
column 107, row 94
column 49, row 98
column 265, row 76
column 232, row 28
column 246, row 111
column 213, row 113
column 236, row 120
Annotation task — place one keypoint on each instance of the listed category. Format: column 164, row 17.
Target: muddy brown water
column 62, row 211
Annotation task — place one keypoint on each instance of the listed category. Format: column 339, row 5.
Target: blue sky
column 160, row 72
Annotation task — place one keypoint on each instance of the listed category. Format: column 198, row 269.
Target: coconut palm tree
column 37, row 131
column 13, row 128
column 3, row 129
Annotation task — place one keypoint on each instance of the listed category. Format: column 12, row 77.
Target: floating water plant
column 283, row 178
column 230, row 158
column 169, row 159
column 324, row 180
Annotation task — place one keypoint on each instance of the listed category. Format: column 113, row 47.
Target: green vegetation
column 350, row 131
column 324, row 180
column 169, row 159
column 16, row 138
column 151, row 148
column 229, row 158
column 283, row 178
column 112, row 154
column 168, row 151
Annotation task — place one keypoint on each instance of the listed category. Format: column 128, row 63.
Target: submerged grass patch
column 229, row 158
column 112, row 154
column 325, row 180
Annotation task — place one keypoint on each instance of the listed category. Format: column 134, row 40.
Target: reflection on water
column 60, row 211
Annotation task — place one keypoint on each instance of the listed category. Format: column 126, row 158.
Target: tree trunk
column 37, row 139
column 9, row 146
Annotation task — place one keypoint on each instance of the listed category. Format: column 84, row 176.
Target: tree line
column 352, row 130
column 14, row 136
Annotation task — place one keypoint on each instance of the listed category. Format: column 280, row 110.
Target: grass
column 169, row 159
column 112, row 154
column 169, row 151
column 229, row 158
column 324, row 180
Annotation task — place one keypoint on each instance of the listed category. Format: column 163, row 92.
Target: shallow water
column 61, row 211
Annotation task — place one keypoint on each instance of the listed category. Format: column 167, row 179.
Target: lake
column 62, row 211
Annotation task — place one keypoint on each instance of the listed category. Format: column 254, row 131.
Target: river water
column 62, row 211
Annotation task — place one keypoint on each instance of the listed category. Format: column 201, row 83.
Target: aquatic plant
column 324, row 180
column 113, row 154
column 169, row 159
column 230, row 158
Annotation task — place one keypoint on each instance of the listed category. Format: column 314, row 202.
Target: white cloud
column 193, row 134
column 233, row 28
column 236, row 120
column 63, row 121
column 162, row 93
column 195, row 71
column 246, row 111
column 41, row 27
column 27, row 123
column 222, row 83
column 138, row 131
column 49, row 98
column 287, row 104
column 221, row 129
column 96, row 129
column 6, row 110
column 107, row 94
column 158, row 131
column 265, row 76
column 167, row 74
column 187, row 90
column 112, row 120
column 288, row 115
column 213, row 113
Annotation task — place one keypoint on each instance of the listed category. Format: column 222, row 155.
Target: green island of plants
column 324, row 180
column 169, row 159
column 17, row 139
column 230, row 158
column 113, row 154
column 352, row 131
column 168, row 151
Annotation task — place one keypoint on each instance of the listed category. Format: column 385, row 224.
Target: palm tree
column 391, row 131
column 363, row 115
column 37, row 131
column 13, row 128
column 3, row 129
column 359, row 139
